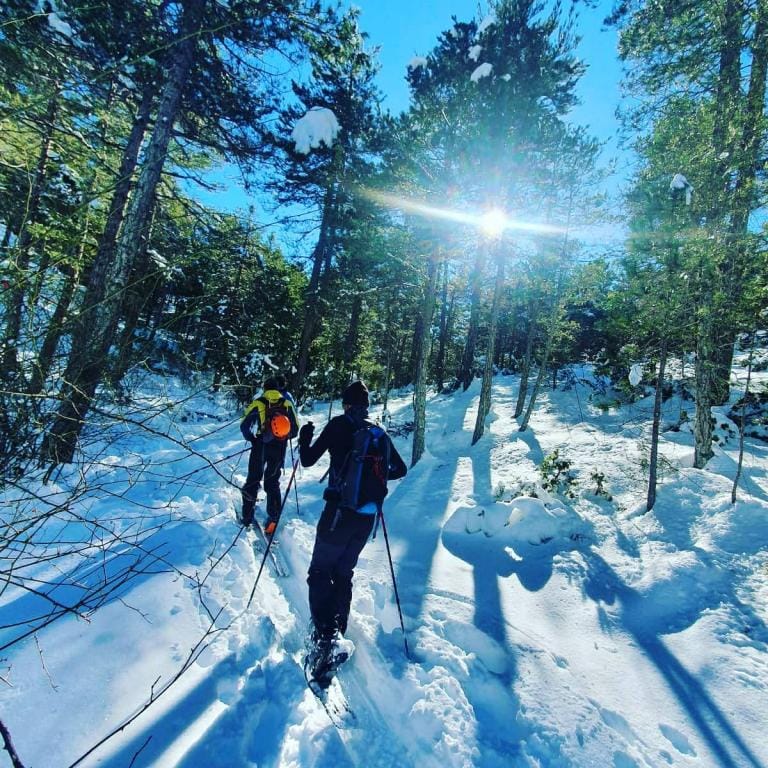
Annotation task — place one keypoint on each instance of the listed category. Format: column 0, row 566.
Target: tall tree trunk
column 704, row 372
column 467, row 370
column 104, row 297
column 141, row 291
column 15, row 294
column 484, row 406
column 443, row 331
column 353, row 334
column 105, row 253
column 744, row 200
column 420, row 376
column 654, row 460
column 312, row 294
column 743, row 424
column 525, row 370
column 53, row 334
column 548, row 343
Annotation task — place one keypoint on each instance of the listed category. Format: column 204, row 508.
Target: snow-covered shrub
column 557, row 476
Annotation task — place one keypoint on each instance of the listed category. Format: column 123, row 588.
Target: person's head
column 355, row 396
column 275, row 382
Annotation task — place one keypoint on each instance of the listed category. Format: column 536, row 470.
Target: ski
column 260, row 543
column 332, row 698
column 320, row 673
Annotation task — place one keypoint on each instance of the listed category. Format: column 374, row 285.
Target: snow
column 486, row 22
column 636, row 374
column 484, row 70
column 318, row 126
column 679, row 182
column 544, row 630
column 416, row 62
column 474, row 52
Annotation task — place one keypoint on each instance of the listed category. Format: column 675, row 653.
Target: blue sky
column 405, row 28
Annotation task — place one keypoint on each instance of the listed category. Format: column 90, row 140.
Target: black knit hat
column 355, row 394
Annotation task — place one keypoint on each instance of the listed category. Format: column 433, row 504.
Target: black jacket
column 337, row 438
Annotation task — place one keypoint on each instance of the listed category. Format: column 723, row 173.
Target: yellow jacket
column 253, row 422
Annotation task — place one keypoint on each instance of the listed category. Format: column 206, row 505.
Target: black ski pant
column 341, row 536
column 266, row 461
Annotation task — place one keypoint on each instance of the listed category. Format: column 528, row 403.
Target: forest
column 113, row 114
column 419, row 251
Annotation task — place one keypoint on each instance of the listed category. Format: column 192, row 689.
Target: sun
column 493, row 222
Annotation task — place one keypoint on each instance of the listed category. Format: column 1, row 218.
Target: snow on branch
column 678, row 183
column 416, row 62
column 486, row 22
column 318, row 126
column 474, row 52
column 484, row 70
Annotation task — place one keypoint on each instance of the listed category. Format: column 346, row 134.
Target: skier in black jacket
column 341, row 533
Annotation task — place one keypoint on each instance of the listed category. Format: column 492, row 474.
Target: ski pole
column 394, row 582
column 295, row 486
column 271, row 538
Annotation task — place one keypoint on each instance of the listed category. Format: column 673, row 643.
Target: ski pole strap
column 394, row 582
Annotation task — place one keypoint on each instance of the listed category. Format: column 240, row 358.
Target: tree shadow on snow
column 644, row 618
column 249, row 731
column 101, row 578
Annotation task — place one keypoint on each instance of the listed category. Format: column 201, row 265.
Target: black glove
column 306, row 433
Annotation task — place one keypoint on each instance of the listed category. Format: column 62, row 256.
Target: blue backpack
column 362, row 481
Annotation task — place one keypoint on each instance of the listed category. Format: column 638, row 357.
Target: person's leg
column 331, row 541
column 359, row 527
column 274, row 457
column 253, row 481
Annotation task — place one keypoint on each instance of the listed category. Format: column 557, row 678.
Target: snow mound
column 318, row 126
column 521, row 520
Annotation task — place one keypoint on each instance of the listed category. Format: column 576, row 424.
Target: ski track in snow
column 629, row 639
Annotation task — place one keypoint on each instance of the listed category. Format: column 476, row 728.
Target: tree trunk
column 104, row 298
column 744, row 200
column 143, row 288
column 525, row 370
column 105, row 253
column 53, row 334
column 743, row 425
column 15, row 297
column 467, row 371
column 420, row 376
column 551, row 329
column 484, row 405
column 443, row 332
column 654, row 460
column 353, row 334
column 312, row 295
column 704, row 372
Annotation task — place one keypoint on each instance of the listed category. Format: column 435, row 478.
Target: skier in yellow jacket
column 270, row 421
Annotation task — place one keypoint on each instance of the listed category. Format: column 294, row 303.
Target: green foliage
column 557, row 476
column 598, row 478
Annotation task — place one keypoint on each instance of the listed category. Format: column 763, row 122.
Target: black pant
column 266, row 460
column 341, row 536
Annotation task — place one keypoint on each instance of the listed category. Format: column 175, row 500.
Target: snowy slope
column 549, row 631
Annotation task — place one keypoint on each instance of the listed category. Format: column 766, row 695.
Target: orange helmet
column 280, row 425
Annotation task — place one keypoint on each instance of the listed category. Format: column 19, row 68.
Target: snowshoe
column 325, row 654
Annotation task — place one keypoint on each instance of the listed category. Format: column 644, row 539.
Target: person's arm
column 250, row 419
column 293, row 415
column 397, row 468
column 310, row 454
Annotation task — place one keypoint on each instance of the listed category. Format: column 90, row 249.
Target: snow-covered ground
column 549, row 631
